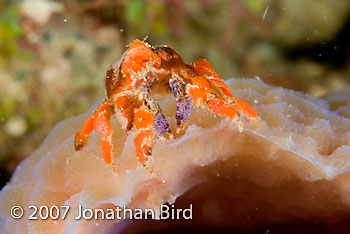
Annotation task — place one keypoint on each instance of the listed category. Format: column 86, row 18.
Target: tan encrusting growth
column 291, row 163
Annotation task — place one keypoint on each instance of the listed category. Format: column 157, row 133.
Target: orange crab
column 145, row 70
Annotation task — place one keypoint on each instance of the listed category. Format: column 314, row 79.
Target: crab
column 146, row 70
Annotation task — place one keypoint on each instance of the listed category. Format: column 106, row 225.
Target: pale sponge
column 291, row 163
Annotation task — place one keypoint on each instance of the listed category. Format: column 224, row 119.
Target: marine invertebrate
column 288, row 165
column 144, row 70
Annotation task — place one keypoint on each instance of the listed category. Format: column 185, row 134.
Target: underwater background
column 54, row 54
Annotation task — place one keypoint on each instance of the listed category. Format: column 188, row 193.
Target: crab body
column 144, row 69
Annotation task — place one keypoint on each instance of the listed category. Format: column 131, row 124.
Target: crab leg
column 203, row 94
column 138, row 119
column 203, row 68
column 143, row 144
column 98, row 121
column 124, row 108
column 81, row 137
column 243, row 107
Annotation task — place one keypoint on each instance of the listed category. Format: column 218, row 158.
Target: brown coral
column 288, row 165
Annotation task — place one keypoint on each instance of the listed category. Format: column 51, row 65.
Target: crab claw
column 161, row 127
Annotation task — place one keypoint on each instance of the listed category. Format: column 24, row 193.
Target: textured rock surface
column 290, row 164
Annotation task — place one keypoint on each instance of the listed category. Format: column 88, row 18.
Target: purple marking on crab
column 183, row 110
column 176, row 88
column 160, row 124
